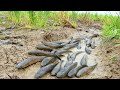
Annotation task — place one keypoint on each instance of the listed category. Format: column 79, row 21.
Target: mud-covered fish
column 64, row 71
column 77, row 40
column 69, row 46
column 47, row 61
column 29, row 61
column 79, row 46
column 84, row 60
column 42, row 53
column 59, row 52
column 73, row 56
column 85, row 70
column 70, row 41
column 88, row 40
column 42, row 71
column 58, row 42
column 73, row 71
column 68, row 57
column 68, row 63
column 57, row 68
column 93, row 44
column 52, row 45
column 42, row 47
column 87, row 50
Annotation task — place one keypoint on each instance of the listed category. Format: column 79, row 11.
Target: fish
column 52, row 45
column 44, row 70
column 69, row 42
column 85, row 70
column 64, row 71
column 69, row 46
column 73, row 56
column 84, row 60
column 59, row 52
column 42, row 53
column 47, row 61
column 68, row 63
column 88, row 51
column 68, row 57
column 79, row 46
column 93, row 44
column 73, row 71
column 75, row 40
column 58, row 42
column 88, row 41
column 57, row 68
column 29, row 61
column 42, row 47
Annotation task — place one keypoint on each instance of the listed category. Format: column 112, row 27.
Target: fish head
column 20, row 65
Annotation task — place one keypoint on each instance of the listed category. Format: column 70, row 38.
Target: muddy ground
column 15, row 44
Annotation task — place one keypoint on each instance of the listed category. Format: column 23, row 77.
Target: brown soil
column 26, row 40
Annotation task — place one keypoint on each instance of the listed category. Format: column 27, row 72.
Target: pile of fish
column 50, row 53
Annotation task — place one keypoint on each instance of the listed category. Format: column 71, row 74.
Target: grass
column 40, row 19
column 112, row 28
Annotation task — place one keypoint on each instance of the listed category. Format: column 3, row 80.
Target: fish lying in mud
column 57, row 68
column 73, row 56
column 73, row 72
column 42, row 71
column 71, row 41
column 88, row 40
column 79, row 46
column 42, row 53
column 68, row 56
column 59, row 52
column 78, row 39
column 69, row 46
column 52, row 45
column 64, row 71
column 85, row 70
column 88, row 51
column 47, row 61
column 68, row 63
column 58, row 42
column 45, row 48
column 84, row 60
column 29, row 61
column 93, row 44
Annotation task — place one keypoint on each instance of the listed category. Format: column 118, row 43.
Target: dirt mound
column 58, row 34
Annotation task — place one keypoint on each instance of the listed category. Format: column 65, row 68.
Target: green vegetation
column 40, row 19
column 112, row 28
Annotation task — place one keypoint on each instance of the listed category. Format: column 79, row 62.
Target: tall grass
column 15, row 16
column 112, row 27
column 39, row 19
